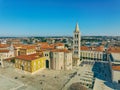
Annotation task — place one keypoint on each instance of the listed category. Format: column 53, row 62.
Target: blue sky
column 59, row 17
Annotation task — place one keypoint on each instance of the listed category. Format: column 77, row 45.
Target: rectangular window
column 34, row 63
column 38, row 62
column 76, row 52
column 25, row 63
column 119, row 81
column 75, row 42
column 28, row 63
column 76, row 47
column 16, row 61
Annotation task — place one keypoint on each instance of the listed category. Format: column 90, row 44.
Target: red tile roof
column 117, row 68
column 22, row 46
column 4, row 51
column 43, row 45
column 92, row 48
column 59, row 44
column 100, row 48
column 61, row 50
column 114, row 49
column 29, row 57
column 4, row 45
column 85, row 48
column 28, row 47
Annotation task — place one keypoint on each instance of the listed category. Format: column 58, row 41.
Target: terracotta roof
column 59, row 44
column 92, row 48
column 4, row 51
column 29, row 57
column 52, row 46
column 61, row 50
column 85, row 48
column 4, row 45
column 100, row 48
column 28, row 47
column 117, row 68
column 22, row 46
column 114, row 49
column 43, row 45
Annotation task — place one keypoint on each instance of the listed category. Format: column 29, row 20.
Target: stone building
column 57, row 57
column 30, row 63
column 22, row 49
column 114, row 62
column 116, row 74
column 61, row 59
column 92, row 53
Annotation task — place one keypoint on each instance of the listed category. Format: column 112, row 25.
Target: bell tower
column 76, row 46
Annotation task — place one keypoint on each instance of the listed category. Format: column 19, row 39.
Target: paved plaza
column 9, row 84
column 81, row 71
column 12, row 79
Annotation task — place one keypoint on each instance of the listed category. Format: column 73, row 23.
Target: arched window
column 77, row 35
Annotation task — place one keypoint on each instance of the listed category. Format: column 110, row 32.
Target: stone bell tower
column 76, row 46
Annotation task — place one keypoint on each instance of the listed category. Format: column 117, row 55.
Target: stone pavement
column 43, row 80
column 80, row 71
column 9, row 84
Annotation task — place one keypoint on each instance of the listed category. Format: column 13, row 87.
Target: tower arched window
column 77, row 35
column 75, row 42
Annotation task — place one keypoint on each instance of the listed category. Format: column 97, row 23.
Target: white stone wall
column 116, row 75
column 116, row 57
column 61, row 61
column 68, row 61
column 58, row 60
column 92, row 54
column 7, row 55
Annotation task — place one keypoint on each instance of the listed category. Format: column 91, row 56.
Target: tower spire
column 77, row 28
